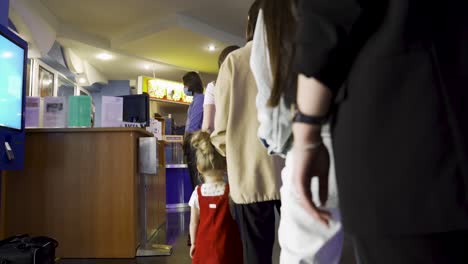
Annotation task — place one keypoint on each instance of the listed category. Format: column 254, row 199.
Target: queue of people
column 342, row 116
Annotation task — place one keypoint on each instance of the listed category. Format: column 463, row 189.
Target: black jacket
column 400, row 72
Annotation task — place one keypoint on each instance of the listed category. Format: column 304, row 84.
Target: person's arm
column 313, row 99
column 209, row 108
column 323, row 61
column 194, row 221
column 209, row 111
column 224, row 86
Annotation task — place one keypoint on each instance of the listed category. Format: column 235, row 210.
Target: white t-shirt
column 207, row 189
column 209, row 94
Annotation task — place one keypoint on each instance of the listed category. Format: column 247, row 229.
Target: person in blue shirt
column 193, row 86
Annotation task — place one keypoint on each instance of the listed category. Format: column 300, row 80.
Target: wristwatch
column 307, row 119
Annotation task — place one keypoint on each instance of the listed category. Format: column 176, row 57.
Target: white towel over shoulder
column 275, row 122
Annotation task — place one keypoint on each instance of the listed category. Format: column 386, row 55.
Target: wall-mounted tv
column 13, row 56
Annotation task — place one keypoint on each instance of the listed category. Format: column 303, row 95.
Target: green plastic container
column 79, row 111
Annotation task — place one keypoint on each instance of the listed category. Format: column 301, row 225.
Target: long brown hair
column 280, row 24
column 252, row 19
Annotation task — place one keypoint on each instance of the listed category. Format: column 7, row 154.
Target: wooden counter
column 80, row 186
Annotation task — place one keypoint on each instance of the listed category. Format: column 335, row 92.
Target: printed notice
column 33, row 107
column 111, row 111
column 54, row 112
column 155, row 128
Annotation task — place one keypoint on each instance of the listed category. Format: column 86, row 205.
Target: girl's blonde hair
column 208, row 158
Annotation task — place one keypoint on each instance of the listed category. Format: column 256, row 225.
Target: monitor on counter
column 13, row 56
column 136, row 109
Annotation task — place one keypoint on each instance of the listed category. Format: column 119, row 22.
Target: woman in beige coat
column 253, row 175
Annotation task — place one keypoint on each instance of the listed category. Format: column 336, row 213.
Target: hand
column 192, row 250
column 309, row 164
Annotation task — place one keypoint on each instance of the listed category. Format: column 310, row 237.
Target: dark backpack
column 24, row 249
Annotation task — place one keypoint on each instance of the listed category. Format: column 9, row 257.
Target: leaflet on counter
column 54, row 112
column 33, row 107
column 111, row 111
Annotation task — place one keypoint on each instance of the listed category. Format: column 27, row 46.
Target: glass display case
column 174, row 151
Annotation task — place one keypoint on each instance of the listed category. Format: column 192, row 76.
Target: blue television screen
column 11, row 84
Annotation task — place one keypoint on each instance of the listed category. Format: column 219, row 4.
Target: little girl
column 214, row 233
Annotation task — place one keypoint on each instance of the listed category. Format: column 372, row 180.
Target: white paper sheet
column 33, row 107
column 111, row 111
column 155, row 128
column 54, row 112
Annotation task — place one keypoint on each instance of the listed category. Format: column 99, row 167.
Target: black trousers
column 440, row 248
column 192, row 168
column 257, row 227
column 191, row 159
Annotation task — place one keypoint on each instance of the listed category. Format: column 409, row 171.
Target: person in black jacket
column 393, row 77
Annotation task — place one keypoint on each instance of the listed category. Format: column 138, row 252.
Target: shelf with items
column 168, row 102
column 163, row 90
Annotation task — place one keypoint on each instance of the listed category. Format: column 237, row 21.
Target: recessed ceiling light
column 82, row 80
column 147, row 67
column 7, row 54
column 104, row 56
column 211, row 47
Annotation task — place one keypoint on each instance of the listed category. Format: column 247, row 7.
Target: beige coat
column 254, row 176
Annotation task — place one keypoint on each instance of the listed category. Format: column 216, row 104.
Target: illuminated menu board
column 166, row 90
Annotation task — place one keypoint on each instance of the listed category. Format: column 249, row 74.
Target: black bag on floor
column 27, row 250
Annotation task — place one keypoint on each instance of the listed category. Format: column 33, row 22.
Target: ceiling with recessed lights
column 182, row 47
column 127, row 38
column 124, row 66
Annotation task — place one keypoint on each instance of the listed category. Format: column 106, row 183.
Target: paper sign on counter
column 33, row 107
column 54, row 112
column 111, row 111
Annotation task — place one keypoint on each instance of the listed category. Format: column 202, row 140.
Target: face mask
column 187, row 92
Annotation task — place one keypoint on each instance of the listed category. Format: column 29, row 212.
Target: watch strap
column 308, row 119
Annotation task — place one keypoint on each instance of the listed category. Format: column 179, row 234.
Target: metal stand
column 148, row 168
column 154, row 250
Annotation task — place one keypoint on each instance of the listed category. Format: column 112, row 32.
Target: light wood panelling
column 81, row 188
